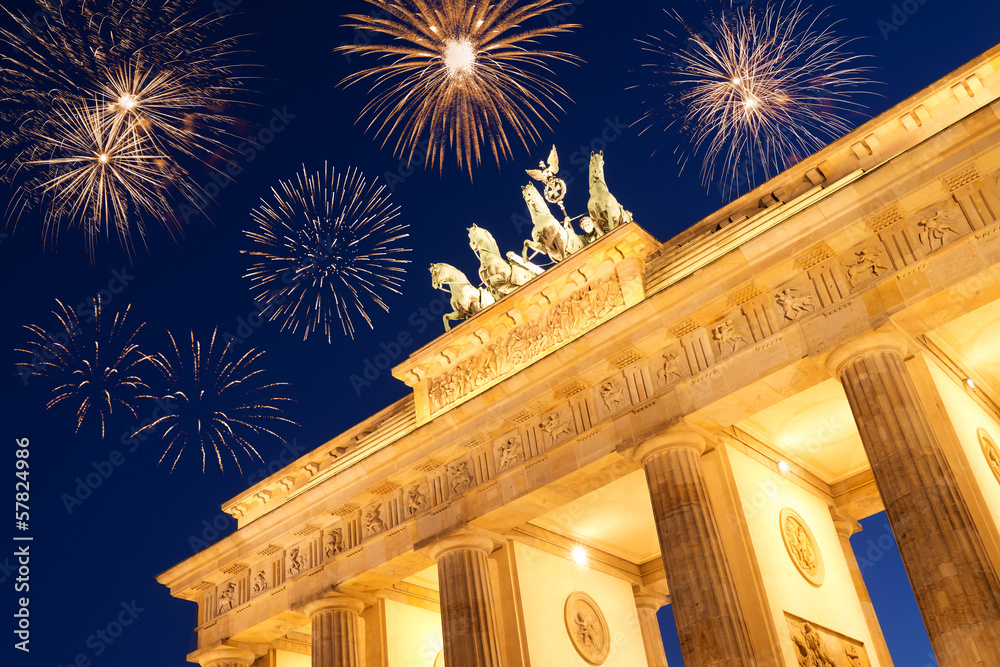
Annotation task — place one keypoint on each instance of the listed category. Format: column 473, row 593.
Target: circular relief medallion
column 801, row 546
column 587, row 628
column 990, row 451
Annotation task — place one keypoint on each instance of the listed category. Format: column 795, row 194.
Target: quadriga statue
column 500, row 275
column 605, row 211
column 548, row 235
column 466, row 299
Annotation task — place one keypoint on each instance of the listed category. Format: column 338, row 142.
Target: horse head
column 596, row 166
column 481, row 239
column 444, row 274
column 533, row 198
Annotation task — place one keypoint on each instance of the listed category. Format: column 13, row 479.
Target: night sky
column 98, row 558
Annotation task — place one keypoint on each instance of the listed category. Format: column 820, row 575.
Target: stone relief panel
column 670, row 367
column 373, row 521
column 795, row 301
column 939, row 225
column 990, row 451
column 561, row 322
column 508, row 452
column 557, row 426
column 297, row 560
column 587, row 628
column 260, row 582
column 730, row 335
column 417, row 499
column 335, row 542
column 816, row 646
column 613, row 395
column 460, row 477
column 865, row 263
column 801, row 546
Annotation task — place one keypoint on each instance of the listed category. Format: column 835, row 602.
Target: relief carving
column 555, row 427
column 613, row 396
column 567, row 318
column 816, row 646
column 935, row 227
column 794, row 304
column 227, row 598
column 416, row 500
column 727, row 338
column 297, row 562
column 801, row 546
column 990, row 451
column 870, row 262
column 587, row 628
column 671, row 369
column 462, row 478
column 373, row 521
column 509, row 454
column 260, row 582
column 335, row 542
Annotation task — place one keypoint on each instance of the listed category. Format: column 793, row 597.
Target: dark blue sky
column 88, row 563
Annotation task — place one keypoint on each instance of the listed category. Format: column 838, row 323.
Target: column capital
column 680, row 436
column 333, row 602
column 458, row 541
column 648, row 600
column 871, row 341
column 845, row 525
column 222, row 654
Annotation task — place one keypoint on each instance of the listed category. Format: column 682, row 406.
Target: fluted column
column 955, row 586
column 337, row 637
column 468, row 605
column 646, row 606
column 710, row 623
column 845, row 528
column 223, row 656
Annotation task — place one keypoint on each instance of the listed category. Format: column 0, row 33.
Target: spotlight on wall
column 579, row 555
column 970, row 383
column 783, row 467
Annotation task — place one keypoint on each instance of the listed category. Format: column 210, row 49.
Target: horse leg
column 447, row 317
column 537, row 247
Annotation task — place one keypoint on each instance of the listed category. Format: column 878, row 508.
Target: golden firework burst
column 758, row 91
column 458, row 76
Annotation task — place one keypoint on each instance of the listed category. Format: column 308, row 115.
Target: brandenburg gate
column 698, row 422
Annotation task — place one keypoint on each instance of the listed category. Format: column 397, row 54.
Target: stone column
column 710, row 623
column 845, row 528
column 223, row 656
column 337, row 637
column 955, row 586
column 468, row 604
column 646, row 606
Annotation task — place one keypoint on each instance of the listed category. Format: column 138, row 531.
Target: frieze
column 815, row 645
column 528, row 341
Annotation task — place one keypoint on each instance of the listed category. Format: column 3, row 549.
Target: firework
column 101, row 170
column 327, row 244
column 764, row 89
column 218, row 401
column 144, row 75
column 94, row 369
column 458, row 76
